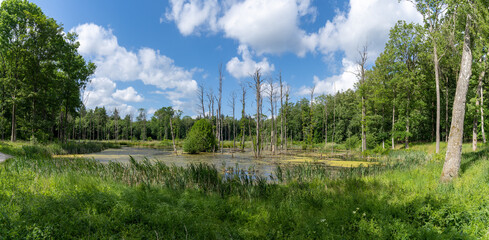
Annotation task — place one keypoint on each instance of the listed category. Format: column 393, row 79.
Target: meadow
column 63, row 198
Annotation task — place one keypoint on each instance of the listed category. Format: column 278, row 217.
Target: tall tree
column 454, row 147
column 243, row 116
column 257, row 86
column 232, row 103
column 432, row 10
column 361, row 63
column 271, row 98
column 219, row 114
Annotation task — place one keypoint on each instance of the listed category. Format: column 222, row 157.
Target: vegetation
column 201, row 138
column 42, row 197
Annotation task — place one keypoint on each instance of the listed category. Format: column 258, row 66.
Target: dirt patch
column 4, row 157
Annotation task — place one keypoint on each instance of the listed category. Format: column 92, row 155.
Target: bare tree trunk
column 364, row 134
column 200, row 95
column 361, row 77
column 477, row 103
column 219, row 113
column 325, row 123
column 482, row 115
column 393, row 122
column 446, row 110
column 454, row 147
column 406, row 139
column 243, row 115
column 172, row 135
column 287, row 90
column 437, row 83
column 334, row 118
column 13, row 136
column 233, row 105
column 311, row 113
column 281, row 112
column 272, row 129
column 257, row 82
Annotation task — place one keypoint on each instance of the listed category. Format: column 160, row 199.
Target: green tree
column 201, row 138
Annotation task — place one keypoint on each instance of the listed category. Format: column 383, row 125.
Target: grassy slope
column 42, row 201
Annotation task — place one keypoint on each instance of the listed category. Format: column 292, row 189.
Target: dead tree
column 200, row 95
column 286, row 111
column 219, row 113
column 232, row 104
column 477, row 103
column 311, row 113
column 172, row 133
column 281, row 111
column 325, row 122
column 257, row 86
column 271, row 98
column 362, row 61
column 243, row 115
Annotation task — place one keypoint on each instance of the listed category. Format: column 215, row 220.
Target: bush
column 352, row 142
column 200, row 138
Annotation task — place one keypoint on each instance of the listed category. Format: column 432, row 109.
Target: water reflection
column 231, row 163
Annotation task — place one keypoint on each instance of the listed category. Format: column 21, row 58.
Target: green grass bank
column 44, row 198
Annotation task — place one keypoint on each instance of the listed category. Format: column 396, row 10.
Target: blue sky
column 152, row 54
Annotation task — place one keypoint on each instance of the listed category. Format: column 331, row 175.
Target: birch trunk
column 454, row 147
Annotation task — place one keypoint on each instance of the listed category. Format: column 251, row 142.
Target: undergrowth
column 78, row 198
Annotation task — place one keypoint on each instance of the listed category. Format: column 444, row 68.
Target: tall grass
column 403, row 199
column 30, row 150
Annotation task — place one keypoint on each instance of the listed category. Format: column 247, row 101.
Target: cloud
column 100, row 93
column 148, row 65
column 192, row 15
column 244, row 68
column 127, row 95
column 329, row 85
column 366, row 22
column 270, row 26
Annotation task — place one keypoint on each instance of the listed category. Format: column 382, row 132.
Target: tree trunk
column 477, row 105
column 13, row 136
column 281, row 113
column 364, row 134
column 446, row 110
column 172, row 136
column 482, row 115
column 437, row 82
column 393, row 123
column 325, row 124
column 406, row 139
column 454, row 147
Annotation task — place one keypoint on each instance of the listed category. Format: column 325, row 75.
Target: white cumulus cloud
column 100, row 93
column 191, row 15
column 116, row 63
column 270, row 26
column 247, row 66
column 127, row 95
column 365, row 22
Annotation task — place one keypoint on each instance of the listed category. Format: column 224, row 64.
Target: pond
column 264, row 166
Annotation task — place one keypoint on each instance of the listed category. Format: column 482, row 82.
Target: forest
column 425, row 90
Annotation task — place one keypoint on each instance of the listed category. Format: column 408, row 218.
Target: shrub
column 200, row 138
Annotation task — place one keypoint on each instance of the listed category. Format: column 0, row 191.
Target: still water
column 264, row 166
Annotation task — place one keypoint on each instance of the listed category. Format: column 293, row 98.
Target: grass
column 44, row 198
column 30, row 150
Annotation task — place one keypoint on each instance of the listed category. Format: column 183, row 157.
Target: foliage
column 201, row 138
column 77, row 198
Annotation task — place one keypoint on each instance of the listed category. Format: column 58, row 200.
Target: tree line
column 427, row 85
